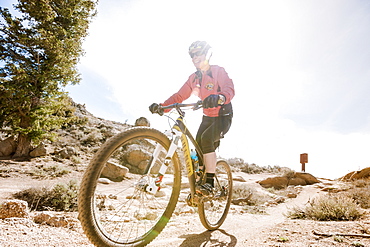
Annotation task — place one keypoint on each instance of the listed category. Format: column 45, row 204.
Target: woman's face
column 199, row 60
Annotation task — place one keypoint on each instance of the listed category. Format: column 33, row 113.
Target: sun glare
column 140, row 49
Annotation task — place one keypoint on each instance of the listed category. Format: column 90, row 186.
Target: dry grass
column 62, row 197
column 53, row 171
column 252, row 200
column 238, row 164
column 360, row 193
column 336, row 207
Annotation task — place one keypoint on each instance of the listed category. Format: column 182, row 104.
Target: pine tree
column 39, row 51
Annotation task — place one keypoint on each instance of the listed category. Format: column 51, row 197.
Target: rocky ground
column 184, row 229
column 66, row 159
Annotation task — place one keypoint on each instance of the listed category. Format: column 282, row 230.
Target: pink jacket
column 214, row 81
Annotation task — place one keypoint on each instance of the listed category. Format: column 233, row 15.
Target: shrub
column 255, row 198
column 283, row 192
column 326, row 208
column 361, row 183
column 360, row 195
column 92, row 139
column 62, row 197
column 256, row 209
column 54, row 171
column 238, row 164
column 253, row 169
column 76, row 159
column 242, row 191
column 235, row 164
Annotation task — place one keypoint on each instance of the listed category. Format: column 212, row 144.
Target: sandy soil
column 239, row 229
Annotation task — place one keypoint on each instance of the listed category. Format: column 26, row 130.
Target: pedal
column 191, row 202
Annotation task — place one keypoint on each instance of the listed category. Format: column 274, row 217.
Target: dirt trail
column 184, row 229
column 237, row 230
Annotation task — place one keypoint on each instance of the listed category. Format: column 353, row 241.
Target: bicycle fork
column 154, row 185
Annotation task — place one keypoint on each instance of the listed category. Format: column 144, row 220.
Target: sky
column 301, row 71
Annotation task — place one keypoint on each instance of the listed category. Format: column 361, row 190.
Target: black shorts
column 211, row 130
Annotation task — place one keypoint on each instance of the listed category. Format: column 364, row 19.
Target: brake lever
column 178, row 109
column 198, row 105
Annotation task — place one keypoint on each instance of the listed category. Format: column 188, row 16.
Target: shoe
column 205, row 189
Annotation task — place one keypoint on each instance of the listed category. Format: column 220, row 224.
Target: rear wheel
column 116, row 205
column 213, row 210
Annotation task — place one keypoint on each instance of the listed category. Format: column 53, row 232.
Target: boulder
column 114, row 172
column 142, row 121
column 355, row 175
column 308, row 178
column 50, row 219
column 104, row 181
column 279, row 199
column 274, row 182
column 135, row 155
column 292, row 195
column 238, row 201
column 298, row 178
column 7, row 147
column 239, row 179
column 137, row 158
column 348, row 176
column 14, row 208
column 364, row 173
column 67, row 152
column 40, row 150
column 41, row 218
column 297, row 181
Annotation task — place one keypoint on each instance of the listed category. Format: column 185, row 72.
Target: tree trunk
column 23, row 147
column 24, row 141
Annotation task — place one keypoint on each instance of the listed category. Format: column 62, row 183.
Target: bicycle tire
column 213, row 211
column 129, row 215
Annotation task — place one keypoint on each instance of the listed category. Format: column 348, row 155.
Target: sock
column 210, row 178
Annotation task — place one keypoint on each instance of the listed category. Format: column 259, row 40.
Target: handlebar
column 155, row 108
column 177, row 106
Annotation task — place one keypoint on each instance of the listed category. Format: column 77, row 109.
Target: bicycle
column 132, row 209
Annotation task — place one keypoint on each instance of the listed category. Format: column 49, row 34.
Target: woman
column 213, row 86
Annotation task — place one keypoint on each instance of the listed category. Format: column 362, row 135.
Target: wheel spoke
column 120, row 211
column 213, row 211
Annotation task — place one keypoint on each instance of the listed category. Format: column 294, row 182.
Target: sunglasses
column 198, row 53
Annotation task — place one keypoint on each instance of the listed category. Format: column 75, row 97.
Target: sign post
column 304, row 160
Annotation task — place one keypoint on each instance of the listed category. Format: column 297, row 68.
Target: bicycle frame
column 178, row 132
column 180, row 126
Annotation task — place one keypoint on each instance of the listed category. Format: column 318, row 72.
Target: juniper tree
column 40, row 47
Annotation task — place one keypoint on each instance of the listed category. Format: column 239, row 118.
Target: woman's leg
column 210, row 161
column 210, row 131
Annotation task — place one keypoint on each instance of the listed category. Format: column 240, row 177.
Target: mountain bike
column 130, row 189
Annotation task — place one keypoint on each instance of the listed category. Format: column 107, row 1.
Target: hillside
column 263, row 224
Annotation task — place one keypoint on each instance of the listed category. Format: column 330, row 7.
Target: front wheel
column 116, row 204
column 213, row 211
